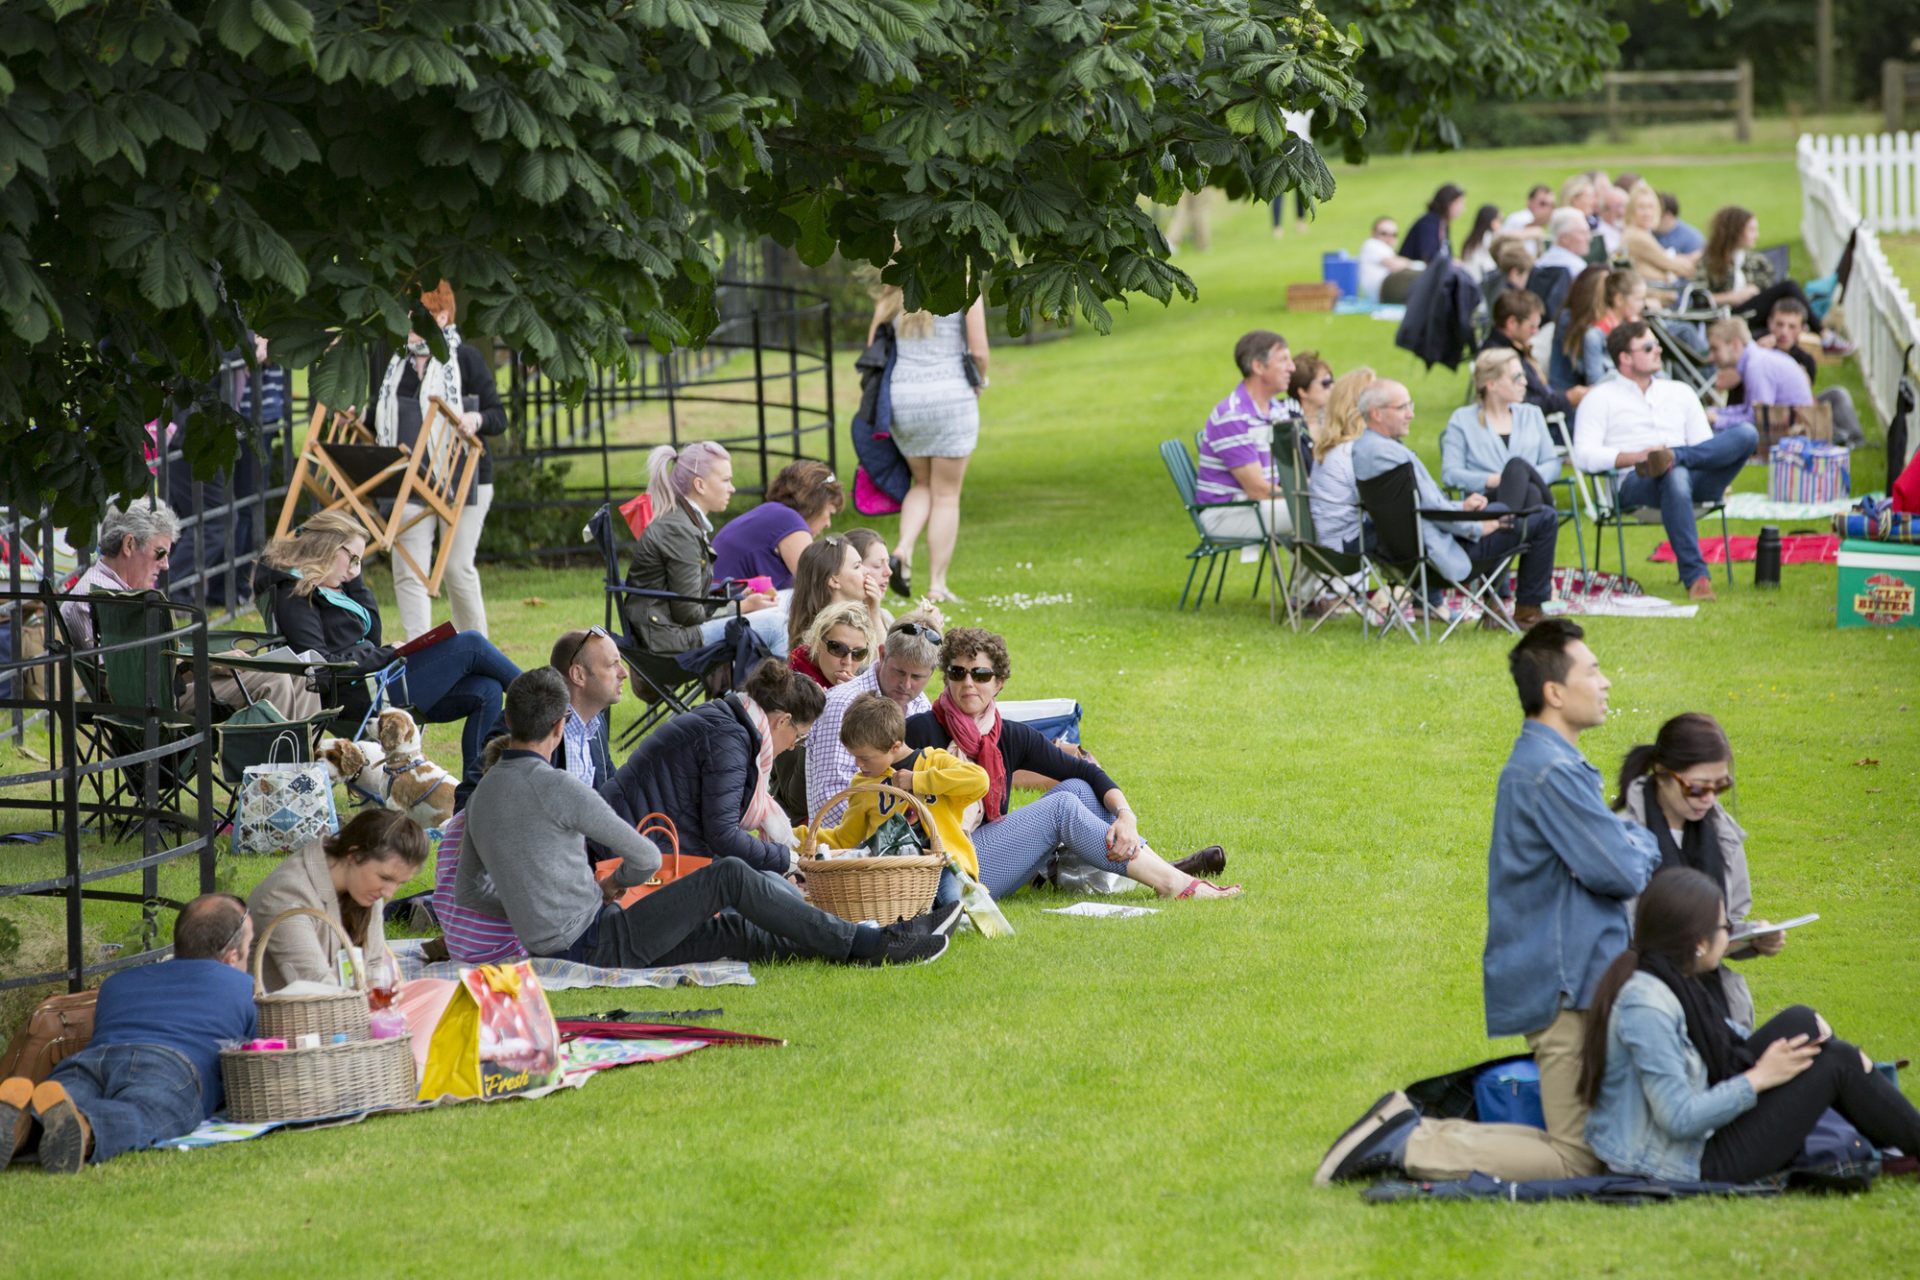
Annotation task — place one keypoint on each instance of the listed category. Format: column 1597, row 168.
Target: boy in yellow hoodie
column 874, row 733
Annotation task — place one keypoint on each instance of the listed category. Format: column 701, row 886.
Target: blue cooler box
column 1342, row 269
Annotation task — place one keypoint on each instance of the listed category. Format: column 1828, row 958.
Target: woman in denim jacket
column 1676, row 1094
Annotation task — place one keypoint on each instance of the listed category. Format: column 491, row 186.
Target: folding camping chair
column 1400, row 557
column 1329, row 571
column 345, row 469
column 667, row 688
column 385, row 687
column 1211, row 548
column 1600, row 494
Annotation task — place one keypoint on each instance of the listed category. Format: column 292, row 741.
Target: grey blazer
column 1470, row 451
column 304, row 950
column 674, row 554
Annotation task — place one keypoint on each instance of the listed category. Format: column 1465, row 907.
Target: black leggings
column 1765, row 1140
column 1756, row 309
column 1521, row 487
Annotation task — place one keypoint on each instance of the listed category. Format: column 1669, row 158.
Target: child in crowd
column 874, row 734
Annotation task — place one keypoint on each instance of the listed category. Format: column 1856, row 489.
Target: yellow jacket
column 952, row 789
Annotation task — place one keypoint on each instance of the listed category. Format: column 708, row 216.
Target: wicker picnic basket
column 882, row 889
column 284, row 1017
column 328, row 1080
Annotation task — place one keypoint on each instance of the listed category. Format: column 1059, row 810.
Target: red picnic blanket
column 1795, row 548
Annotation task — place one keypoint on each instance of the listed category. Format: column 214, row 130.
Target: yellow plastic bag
column 496, row 1038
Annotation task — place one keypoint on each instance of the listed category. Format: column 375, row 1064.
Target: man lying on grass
column 527, row 828
column 152, row 1070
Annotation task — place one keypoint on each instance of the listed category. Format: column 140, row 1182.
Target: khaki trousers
column 289, row 695
column 1446, row 1149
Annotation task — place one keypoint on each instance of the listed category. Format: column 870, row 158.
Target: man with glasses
column 152, row 1069
column 1561, row 871
column 901, row 672
column 1650, row 433
column 1378, row 261
column 1530, row 221
column 135, row 545
column 590, row 663
column 1460, row 549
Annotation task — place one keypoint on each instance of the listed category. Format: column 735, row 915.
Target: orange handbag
column 672, row 867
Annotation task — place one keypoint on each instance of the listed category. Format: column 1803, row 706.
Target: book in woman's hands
column 1760, row 928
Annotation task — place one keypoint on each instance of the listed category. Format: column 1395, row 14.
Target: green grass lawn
column 1147, row 1096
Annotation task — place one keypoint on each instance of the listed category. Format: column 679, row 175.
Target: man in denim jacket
column 1561, row 870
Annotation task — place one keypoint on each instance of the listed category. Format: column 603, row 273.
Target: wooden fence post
column 1743, row 101
column 1613, row 108
column 1893, row 93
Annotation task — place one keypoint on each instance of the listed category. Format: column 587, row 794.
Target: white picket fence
column 1838, row 178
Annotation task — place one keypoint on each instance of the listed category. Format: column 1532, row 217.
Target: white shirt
column 1561, row 256
column 1617, row 417
column 1610, row 236
column 1374, row 253
column 1520, row 220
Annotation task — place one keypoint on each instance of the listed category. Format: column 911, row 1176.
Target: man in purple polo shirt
column 1236, row 449
column 1768, row 376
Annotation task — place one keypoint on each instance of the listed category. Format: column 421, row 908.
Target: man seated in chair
column 1763, row 375
column 1460, row 549
column 1785, row 325
column 1650, row 434
column 152, row 1069
column 1236, row 447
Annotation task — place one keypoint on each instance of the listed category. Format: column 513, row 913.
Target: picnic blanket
column 1795, row 548
column 1758, row 506
column 570, row 975
column 1590, row 593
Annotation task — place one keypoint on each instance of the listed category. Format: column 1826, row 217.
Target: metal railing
column 1881, row 318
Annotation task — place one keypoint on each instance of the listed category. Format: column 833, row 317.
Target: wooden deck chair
column 347, row 470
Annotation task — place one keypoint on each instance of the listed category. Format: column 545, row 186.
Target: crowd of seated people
column 1607, row 933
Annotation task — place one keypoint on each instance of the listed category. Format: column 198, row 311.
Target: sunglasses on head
column 1697, row 790
column 980, row 675
column 920, row 629
column 580, row 645
column 841, row 650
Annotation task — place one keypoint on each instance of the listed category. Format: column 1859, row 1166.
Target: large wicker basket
column 882, row 889
column 330, row 1080
column 284, row 1017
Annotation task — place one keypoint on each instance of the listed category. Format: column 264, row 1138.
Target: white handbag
column 283, row 806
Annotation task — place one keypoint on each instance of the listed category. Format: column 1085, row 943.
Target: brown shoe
column 1205, row 863
column 1701, row 589
column 16, row 1117
column 1527, row 615
column 1659, row 462
column 66, row 1139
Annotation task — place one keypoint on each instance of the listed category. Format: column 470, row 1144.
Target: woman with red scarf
column 1084, row 813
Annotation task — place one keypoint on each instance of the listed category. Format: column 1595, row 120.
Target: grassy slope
column 1148, row 1095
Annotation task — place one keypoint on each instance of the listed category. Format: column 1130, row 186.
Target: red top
column 1906, row 490
column 800, row 660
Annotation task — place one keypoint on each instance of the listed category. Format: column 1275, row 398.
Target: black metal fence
column 124, row 762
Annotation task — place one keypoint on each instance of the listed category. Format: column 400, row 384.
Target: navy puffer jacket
column 698, row 769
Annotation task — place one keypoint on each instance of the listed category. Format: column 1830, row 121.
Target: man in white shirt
column 1378, row 260
column 1530, row 221
column 1563, row 261
column 1613, row 219
column 1656, row 427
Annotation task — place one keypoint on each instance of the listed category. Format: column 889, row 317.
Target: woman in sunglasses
column 1672, row 787
column 1310, row 386
column 831, row 571
column 1084, row 812
column 837, row 646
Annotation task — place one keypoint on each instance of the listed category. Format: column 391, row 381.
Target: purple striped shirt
column 473, row 937
column 1236, row 434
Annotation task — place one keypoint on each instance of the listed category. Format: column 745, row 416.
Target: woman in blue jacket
column 1499, row 445
column 1677, row 1094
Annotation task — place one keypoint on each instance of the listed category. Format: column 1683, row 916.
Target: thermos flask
column 1766, row 558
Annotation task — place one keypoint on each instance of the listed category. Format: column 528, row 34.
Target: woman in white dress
column 936, row 424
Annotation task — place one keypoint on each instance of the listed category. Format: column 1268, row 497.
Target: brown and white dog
column 355, row 763
column 409, row 781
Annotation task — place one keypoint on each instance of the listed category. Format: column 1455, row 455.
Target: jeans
column 1535, row 536
column 132, row 1095
column 680, row 924
column 1700, row 473
column 1015, row 849
column 464, row 677
column 1766, row 1139
column 769, row 624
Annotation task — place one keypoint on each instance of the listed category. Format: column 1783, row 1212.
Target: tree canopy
column 175, row 175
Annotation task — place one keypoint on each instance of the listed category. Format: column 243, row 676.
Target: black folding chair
column 666, row 687
column 1327, row 572
column 1399, row 558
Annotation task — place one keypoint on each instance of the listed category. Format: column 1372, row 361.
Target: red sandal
column 1226, row 891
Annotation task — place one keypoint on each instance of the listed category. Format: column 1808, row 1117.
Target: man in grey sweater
column 527, row 828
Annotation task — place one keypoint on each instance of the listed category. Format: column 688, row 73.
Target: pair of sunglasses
column 1698, row 790
column 920, row 629
column 839, row 650
column 575, row 655
column 956, row 673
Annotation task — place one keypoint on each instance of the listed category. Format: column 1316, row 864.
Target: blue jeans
column 133, row 1095
column 769, row 624
column 462, row 678
column 1700, row 473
